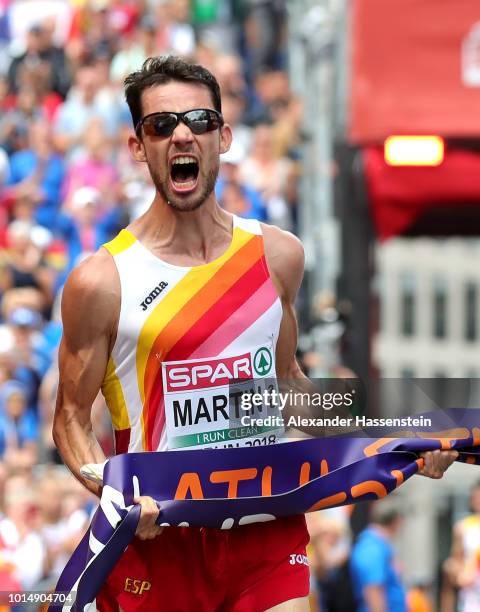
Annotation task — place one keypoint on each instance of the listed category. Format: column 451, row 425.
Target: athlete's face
column 184, row 186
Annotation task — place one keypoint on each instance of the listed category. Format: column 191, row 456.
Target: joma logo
column 153, row 295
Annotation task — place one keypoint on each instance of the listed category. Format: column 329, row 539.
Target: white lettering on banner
column 229, row 523
column 256, row 518
column 95, row 545
column 109, row 497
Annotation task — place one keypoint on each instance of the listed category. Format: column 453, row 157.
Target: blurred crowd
column 363, row 572
column 68, row 184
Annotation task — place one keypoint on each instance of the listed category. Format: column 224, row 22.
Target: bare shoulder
column 91, row 296
column 285, row 258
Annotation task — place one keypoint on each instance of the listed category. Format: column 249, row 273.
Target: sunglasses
column 199, row 121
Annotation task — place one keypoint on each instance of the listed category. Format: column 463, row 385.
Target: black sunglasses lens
column 160, row 125
column 201, row 121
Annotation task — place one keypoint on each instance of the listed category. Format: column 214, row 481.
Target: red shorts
column 245, row 569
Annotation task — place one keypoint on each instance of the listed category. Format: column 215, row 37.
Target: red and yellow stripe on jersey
column 172, row 313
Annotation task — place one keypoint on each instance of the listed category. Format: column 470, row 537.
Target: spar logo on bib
column 262, row 361
column 188, row 376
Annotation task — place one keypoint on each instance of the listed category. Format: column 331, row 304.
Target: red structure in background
column 399, row 196
column 411, row 62
column 415, row 69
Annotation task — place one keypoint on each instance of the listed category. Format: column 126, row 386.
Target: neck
column 198, row 236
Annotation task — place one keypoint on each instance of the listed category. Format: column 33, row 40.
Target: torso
column 183, row 334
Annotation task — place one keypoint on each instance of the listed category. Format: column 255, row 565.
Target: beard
column 189, row 202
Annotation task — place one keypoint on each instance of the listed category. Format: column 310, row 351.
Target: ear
column 225, row 138
column 137, row 149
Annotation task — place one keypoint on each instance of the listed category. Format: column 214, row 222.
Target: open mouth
column 184, row 173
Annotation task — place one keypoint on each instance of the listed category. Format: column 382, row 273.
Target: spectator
column 24, row 297
column 178, row 31
column 268, row 174
column 376, row 581
column 328, row 552
column 86, row 227
column 61, row 531
column 265, row 30
column 38, row 172
column 87, row 100
column 17, row 120
column 92, row 31
column 18, row 426
column 233, row 195
column 20, row 545
column 462, row 568
column 137, row 49
column 233, row 110
column 27, row 351
column 93, row 168
column 23, row 262
column 37, row 79
column 41, row 51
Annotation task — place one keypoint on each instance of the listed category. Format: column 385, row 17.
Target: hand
column 146, row 528
column 435, row 463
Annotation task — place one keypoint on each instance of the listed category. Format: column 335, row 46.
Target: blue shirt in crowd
column 23, row 164
column 372, row 564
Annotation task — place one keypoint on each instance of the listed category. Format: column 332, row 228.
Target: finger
column 427, row 462
column 148, row 504
column 430, row 462
column 150, row 533
column 147, row 527
column 436, row 464
column 447, row 458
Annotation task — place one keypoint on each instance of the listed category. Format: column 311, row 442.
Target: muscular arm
column 90, row 311
column 90, row 306
column 285, row 259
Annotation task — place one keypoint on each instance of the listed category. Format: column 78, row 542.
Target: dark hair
column 386, row 512
column 162, row 70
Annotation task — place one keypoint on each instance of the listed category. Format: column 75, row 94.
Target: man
column 376, row 580
column 186, row 282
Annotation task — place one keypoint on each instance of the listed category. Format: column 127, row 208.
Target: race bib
column 208, row 401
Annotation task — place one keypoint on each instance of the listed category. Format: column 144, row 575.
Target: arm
column 374, row 597
column 90, row 307
column 285, row 259
column 90, row 312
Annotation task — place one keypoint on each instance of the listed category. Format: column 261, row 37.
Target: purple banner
column 231, row 487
